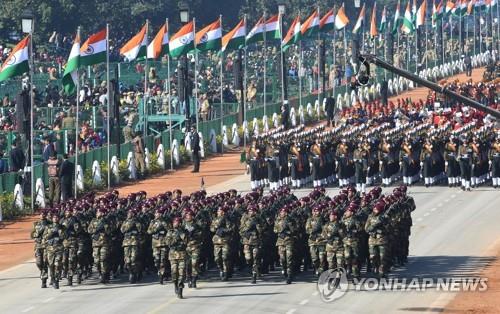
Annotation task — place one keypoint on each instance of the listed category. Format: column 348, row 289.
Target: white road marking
column 304, row 302
column 291, row 311
column 28, row 309
column 48, row 300
column 426, row 214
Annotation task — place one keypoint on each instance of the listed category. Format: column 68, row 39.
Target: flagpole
column 345, row 54
column 145, row 98
column 108, row 106
column 221, row 91
column 460, row 32
column 333, row 60
column 442, row 42
column 426, row 31
column 196, row 78
column 450, row 22
column 282, row 60
column 475, row 33
column 265, row 62
column 300, row 72
column 480, row 33
column 169, row 91
column 244, row 95
column 319, row 67
column 77, row 121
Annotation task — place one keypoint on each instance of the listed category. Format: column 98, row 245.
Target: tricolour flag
column 421, row 14
column 256, row 34
column 137, row 46
column 235, row 39
column 373, row 22
column 70, row 77
column 383, row 21
column 209, row 37
column 272, row 28
column 311, row 25
column 360, row 21
column 450, row 6
column 470, row 7
column 437, row 13
column 327, row 22
column 294, row 34
column 407, row 27
column 183, row 41
column 341, row 19
column 17, row 63
column 159, row 46
column 397, row 19
column 93, row 50
column 414, row 11
column 462, row 8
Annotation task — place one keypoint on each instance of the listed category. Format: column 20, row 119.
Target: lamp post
column 28, row 24
column 184, row 73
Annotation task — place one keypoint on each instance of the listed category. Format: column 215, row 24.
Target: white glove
column 446, row 164
column 421, row 164
column 381, row 162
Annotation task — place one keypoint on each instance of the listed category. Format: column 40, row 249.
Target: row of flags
column 211, row 37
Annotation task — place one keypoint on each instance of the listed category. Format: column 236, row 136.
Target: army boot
column 102, row 278
column 176, row 287
column 289, row 279
column 221, row 275
column 179, row 292
column 132, row 277
column 44, row 283
column 79, row 279
column 254, row 277
column 162, row 277
column 70, row 281
column 194, row 281
column 56, row 283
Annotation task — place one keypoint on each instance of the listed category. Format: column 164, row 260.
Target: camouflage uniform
column 316, row 242
column 100, row 231
column 193, row 250
column 284, row 228
column 53, row 236
column 158, row 229
column 131, row 230
column 333, row 232
column 376, row 228
column 222, row 227
column 40, row 248
column 177, row 241
column 351, row 243
column 72, row 228
column 251, row 228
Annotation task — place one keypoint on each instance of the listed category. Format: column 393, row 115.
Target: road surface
column 451, row 233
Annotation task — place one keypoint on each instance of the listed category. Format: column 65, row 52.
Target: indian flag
column 462, row 8
column 137, row 46
column 397, row 20
column 235, row 39
column 341, row 19
column 470, row 7
column 272, row 28
column 383, row 21
column 437, row 13
column 17, row 63
column 93, row 50
column 256, row 34
column 70, row 77
column 183, row 41
column 209, row 37
column 450, row 6
column 480, row 4
column 407, row 27
column 421, row 14
column 159, row 46
column 360, row 21
column 414, row 11
column 327, row 23
column 294, row 34
column 490, row 5
column 373, row 22
column 311, row 25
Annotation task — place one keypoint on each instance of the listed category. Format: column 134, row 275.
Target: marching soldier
column 39, row 228
column 222, row 228
column 407, row 161
column 158, row 228
column 193, row 249
column 352, row 226
column 72, row 228
column 494, row 161
column 343, row 163
column 251, row 228
column 100, row 231
column 360, row 158
column 177, row 241
column 451, row 162
column 375, row 227
column 426, row 162
column 284, row 229
column 465, row 153
column 53, row 236
column 333, row 232
column 131, row 230
column 317, row 161
column 316, row 241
